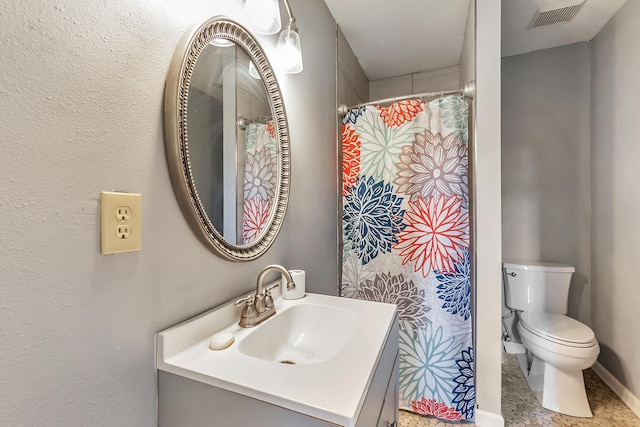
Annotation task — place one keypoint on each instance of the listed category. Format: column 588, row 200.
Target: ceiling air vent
column 555, row 15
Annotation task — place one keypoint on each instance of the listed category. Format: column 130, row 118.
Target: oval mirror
column 227, row 139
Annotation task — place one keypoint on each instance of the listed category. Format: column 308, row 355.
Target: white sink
column 303, row 334
column 334, row 345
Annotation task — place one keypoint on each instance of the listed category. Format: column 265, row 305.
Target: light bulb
column 289, row 53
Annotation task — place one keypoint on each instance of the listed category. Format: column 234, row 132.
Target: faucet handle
column 248, row 300
column 249, row 309
column 268, row 299
column 269, row 288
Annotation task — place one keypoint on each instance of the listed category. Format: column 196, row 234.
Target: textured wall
column 615, row 195
column 545, row 164
column 81, row 93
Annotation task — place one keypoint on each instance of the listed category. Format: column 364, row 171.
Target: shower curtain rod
column 243, row 122
column 468, row 91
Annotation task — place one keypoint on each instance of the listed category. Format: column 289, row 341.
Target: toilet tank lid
column 539, row 266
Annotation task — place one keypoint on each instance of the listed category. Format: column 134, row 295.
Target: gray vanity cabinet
column 389, row 412
column 380, row 407
column 183, row 402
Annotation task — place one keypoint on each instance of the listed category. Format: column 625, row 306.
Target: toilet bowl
column 561, row 348
column 558, row 348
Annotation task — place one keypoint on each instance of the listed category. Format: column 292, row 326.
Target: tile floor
column 520, row 407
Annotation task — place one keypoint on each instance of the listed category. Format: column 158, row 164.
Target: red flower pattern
column 256, row 214
column 350, row 158
column 400, row 112
column 271, row 128
column 432, row 407
column 436, row 234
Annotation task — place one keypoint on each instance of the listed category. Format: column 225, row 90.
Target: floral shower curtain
column 405, row 237
column 260, row 163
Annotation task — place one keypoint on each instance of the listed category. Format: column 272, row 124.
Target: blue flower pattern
column 372, row 218
column 465, row 391
column 455, row 289
column 352, row 115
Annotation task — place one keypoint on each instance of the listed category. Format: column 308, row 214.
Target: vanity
column 319, row 361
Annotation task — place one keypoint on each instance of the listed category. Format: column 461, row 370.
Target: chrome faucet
column 259, row 307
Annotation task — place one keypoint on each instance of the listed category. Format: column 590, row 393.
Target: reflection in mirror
column 231, row 143
column 227, row 139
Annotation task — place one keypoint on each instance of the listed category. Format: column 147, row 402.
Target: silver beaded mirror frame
column 177, row 143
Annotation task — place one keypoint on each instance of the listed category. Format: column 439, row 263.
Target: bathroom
column 82, row 112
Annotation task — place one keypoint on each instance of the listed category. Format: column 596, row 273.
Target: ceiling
column 517, row 14
column 397, row 37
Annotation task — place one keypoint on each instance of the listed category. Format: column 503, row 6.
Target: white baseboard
column 488, row 419
column 618, row 388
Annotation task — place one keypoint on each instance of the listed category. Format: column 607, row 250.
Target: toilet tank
column 537, row 286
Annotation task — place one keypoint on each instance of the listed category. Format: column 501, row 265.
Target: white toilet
column 558, row 347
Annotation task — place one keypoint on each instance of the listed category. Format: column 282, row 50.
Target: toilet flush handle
column 512, row 273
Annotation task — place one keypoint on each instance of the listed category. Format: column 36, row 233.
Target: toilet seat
column 558, row 328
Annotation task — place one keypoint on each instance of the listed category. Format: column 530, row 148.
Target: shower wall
column 447, row 78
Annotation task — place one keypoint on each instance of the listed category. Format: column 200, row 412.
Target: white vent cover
column 555, row 15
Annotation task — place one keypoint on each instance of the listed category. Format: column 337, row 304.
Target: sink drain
column 288, row 362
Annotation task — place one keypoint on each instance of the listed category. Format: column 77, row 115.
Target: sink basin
column 316, row 356
column 302, row 335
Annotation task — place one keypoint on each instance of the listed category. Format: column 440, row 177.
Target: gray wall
column 353, row 85
column 615, row 194
column 545, row 163
column 81, row 98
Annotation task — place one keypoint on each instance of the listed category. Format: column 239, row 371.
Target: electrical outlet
column 121, row 222
column 123, row 213
column 123, row 231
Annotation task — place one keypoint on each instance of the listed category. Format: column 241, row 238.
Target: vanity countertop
column 332, row 390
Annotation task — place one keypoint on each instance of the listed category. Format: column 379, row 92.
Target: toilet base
column 557, row 390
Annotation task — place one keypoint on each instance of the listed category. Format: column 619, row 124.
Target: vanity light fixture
column 263, row 15
column 288, row 48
